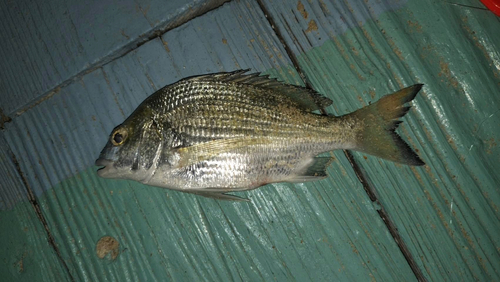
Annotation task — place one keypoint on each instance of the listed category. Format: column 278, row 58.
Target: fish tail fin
column 379, row 121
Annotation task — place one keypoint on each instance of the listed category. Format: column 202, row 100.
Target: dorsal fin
column 305, row 98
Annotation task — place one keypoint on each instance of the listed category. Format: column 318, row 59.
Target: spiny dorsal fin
column 307, row 99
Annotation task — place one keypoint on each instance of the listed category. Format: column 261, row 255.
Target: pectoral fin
column 204, row 151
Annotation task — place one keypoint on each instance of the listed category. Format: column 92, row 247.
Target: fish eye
column 119, row 136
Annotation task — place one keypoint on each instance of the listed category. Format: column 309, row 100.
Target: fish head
column 132, row 148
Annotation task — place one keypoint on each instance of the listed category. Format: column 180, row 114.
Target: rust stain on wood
column 302, row 10
column 312, row 26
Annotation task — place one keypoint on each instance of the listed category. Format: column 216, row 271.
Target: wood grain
column 354, row 52
column 446, row 212
column 48, row 45
column 319, row 231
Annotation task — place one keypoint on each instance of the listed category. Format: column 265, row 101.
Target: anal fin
column 316, row 170
column 218, row 195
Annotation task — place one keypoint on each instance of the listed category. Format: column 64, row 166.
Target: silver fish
column 223, row 132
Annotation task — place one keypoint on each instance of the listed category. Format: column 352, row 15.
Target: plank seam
column 372, row 194
column 362, row 177
column 142, row 39
column 3, row 119
column 34, row 203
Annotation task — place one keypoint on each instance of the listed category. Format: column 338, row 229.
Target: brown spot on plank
column 107, row 245
column 165, row 45
column 491, row 144
column 415, row 26
column 479, row 43
column 445, row 71
column 21, row 266
column 324, row 8
column 224, row 41
column 302, row 10
column 312, row 26
column 20, row 263
column 372, row 93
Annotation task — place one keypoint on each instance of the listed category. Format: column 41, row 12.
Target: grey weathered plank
column 47, row 44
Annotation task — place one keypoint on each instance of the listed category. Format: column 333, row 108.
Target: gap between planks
column 360, row 174
column 38, row 211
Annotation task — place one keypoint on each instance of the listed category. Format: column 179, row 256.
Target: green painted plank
column 25, row 253
column 447, row 212
column 328, row 230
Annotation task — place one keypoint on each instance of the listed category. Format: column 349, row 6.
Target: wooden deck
column 72, row 70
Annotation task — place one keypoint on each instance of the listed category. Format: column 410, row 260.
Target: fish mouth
column 106, row 166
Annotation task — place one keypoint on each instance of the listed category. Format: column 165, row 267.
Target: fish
column 232, row 131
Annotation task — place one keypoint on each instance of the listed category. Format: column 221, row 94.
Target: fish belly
column 241, row 170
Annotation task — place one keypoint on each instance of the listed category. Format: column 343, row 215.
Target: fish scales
column 211, row 110
column 231, row 132
column 235, row 108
